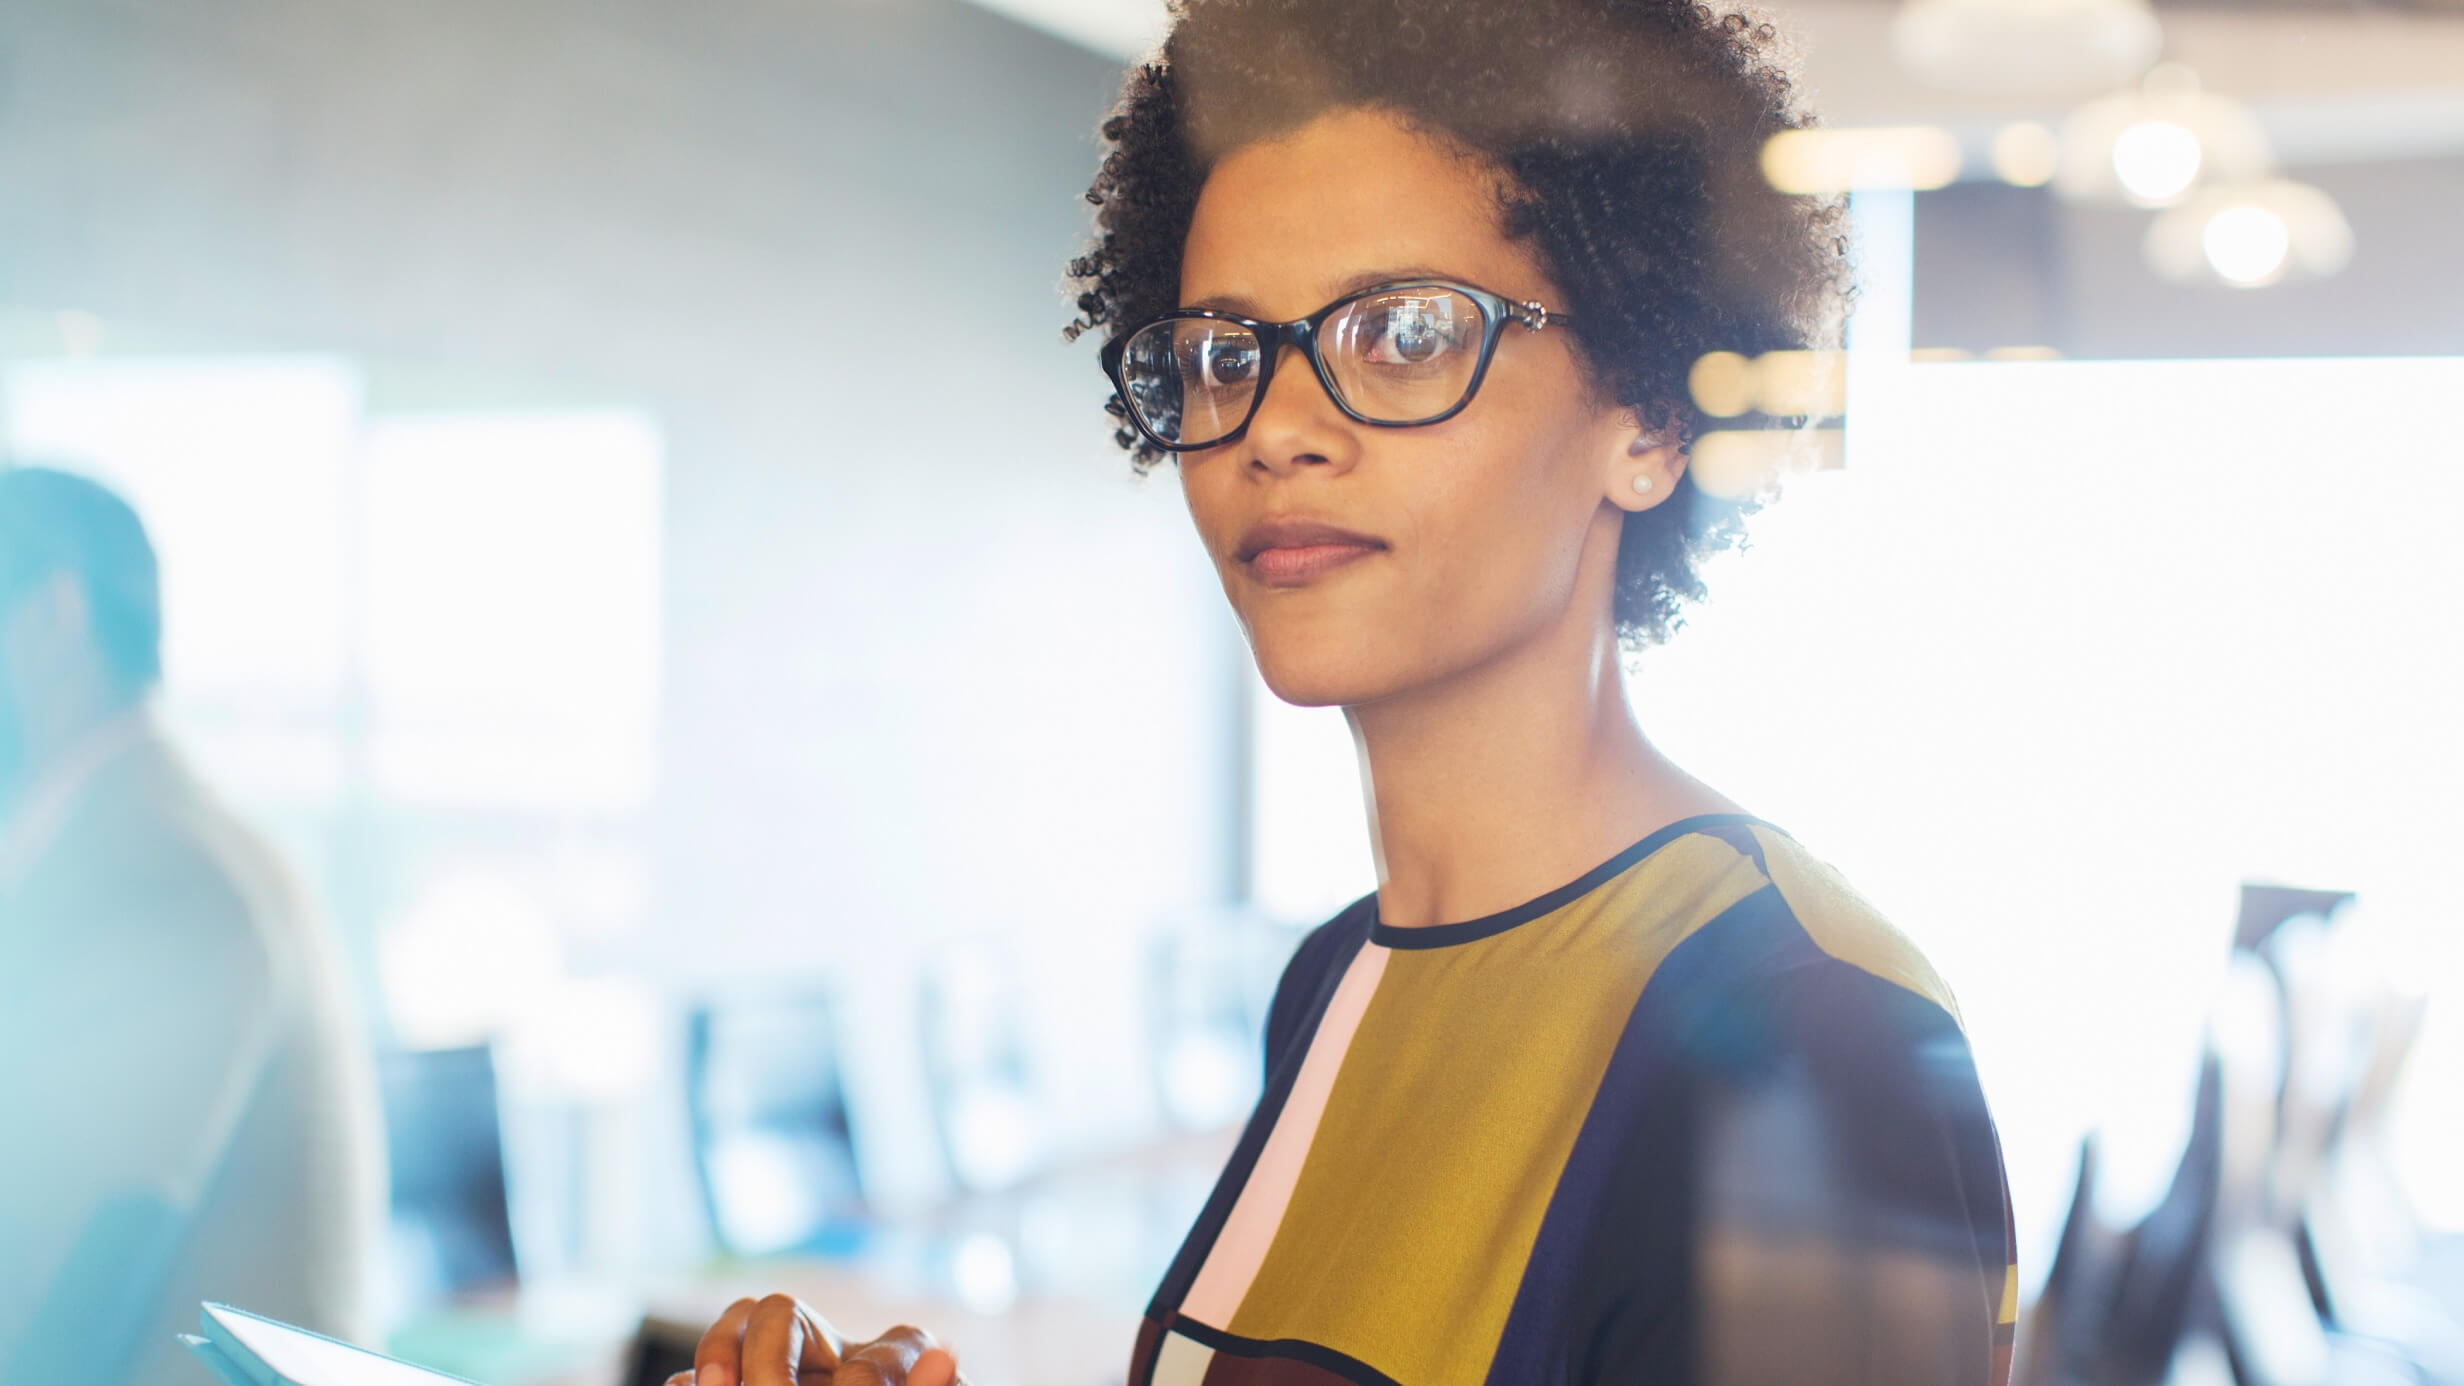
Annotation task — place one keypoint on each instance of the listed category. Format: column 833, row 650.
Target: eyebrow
column 1239, row 306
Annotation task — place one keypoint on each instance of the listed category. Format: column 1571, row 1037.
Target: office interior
column 797, row 815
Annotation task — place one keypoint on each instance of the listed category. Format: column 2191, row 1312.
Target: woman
column 1608, row 1081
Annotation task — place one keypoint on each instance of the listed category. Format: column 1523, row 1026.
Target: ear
column 53, row 616
column 1642, row 472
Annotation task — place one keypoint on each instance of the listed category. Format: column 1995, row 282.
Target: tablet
column 262, row 1352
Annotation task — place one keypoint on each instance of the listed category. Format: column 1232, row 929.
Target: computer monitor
column 450, row 1229
column 771, row 1133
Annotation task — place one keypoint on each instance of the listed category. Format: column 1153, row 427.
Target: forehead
column 1284, row 225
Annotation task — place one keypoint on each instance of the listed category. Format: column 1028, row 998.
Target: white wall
column 935, row 664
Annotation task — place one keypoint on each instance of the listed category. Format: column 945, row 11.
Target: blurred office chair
column 2359, row 1237
column 2296, row 1314
column 2360, row 1207
column 2117, row 1308
column 2267, row 908
column 976, row 1067
column 661, row 1347
column 2157, row 1293
column 772, row 1141
column 2066, row 1311
column 2271, row 1327
column 1210, row 982
column 450, row 1232
column 2276, row 1259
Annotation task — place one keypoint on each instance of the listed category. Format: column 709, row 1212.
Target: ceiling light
column 2247, row 245
column 2251, row 236
column 2026, row 154
column 2156, row 161
column 1734, row 463
column 1807, row 384
column 1722, row 383
column 1825, row 162
column 2150, row 146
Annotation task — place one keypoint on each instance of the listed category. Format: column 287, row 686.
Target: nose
column 1297, row 424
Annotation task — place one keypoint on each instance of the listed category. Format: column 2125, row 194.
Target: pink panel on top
column 1241, row 1248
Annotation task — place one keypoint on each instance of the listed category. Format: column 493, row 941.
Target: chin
column 1326, row 669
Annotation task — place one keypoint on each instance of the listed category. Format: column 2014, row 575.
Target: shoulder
column 1839, row 926
column 1802, row 991
column 1835, row 1018
column 1789, row 1120
column 151, row 874
column 1827, row 1083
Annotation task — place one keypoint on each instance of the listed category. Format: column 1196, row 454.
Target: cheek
column 1204, row 492
column 1506, row 534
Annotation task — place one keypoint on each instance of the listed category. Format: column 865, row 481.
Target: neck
column 1511, row 779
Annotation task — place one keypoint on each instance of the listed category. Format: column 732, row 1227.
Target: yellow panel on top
column 1844, row 926
column 1452, row 1117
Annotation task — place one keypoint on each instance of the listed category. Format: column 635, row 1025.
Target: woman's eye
column 1410, row 334
column 1217, row 362
column 1230, row 365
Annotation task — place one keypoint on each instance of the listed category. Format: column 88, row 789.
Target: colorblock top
column 1699, row 1116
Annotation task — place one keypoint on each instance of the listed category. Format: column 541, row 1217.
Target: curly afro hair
column 1627, row 136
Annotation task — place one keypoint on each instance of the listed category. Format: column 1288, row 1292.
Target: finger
column 888, row 1360
column 681, row 1379
column 934, row 1366
column 782, row 1339
column 823, row 1343
column 718, row 1357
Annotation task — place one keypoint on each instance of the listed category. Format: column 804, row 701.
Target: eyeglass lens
column 1398, row 356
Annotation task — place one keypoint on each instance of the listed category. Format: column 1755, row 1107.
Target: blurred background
column 794, row 825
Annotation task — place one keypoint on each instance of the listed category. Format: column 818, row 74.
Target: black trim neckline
column 1387, row 935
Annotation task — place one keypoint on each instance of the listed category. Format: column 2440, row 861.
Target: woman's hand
column 777, row 1341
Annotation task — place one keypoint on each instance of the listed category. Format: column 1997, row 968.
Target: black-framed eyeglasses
column 1392, row 356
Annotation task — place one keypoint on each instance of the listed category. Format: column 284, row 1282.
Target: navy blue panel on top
column 1813, row 1134
column 1756, row 934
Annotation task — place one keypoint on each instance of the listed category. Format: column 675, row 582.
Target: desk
column 1040, row 1341
column 1071, row 1325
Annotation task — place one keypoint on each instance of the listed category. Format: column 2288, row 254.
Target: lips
column 1294, row 552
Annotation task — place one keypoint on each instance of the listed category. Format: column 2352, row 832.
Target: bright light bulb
column 2249, row 235
column 2247, row 245
column 2156, row 161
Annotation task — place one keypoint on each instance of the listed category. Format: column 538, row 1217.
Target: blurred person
column 190, row 1113
column 1608, row 1080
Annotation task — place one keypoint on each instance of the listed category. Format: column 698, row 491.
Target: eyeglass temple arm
column 1533, row 316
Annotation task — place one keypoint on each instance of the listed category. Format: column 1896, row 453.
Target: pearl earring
column 1643, row 483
